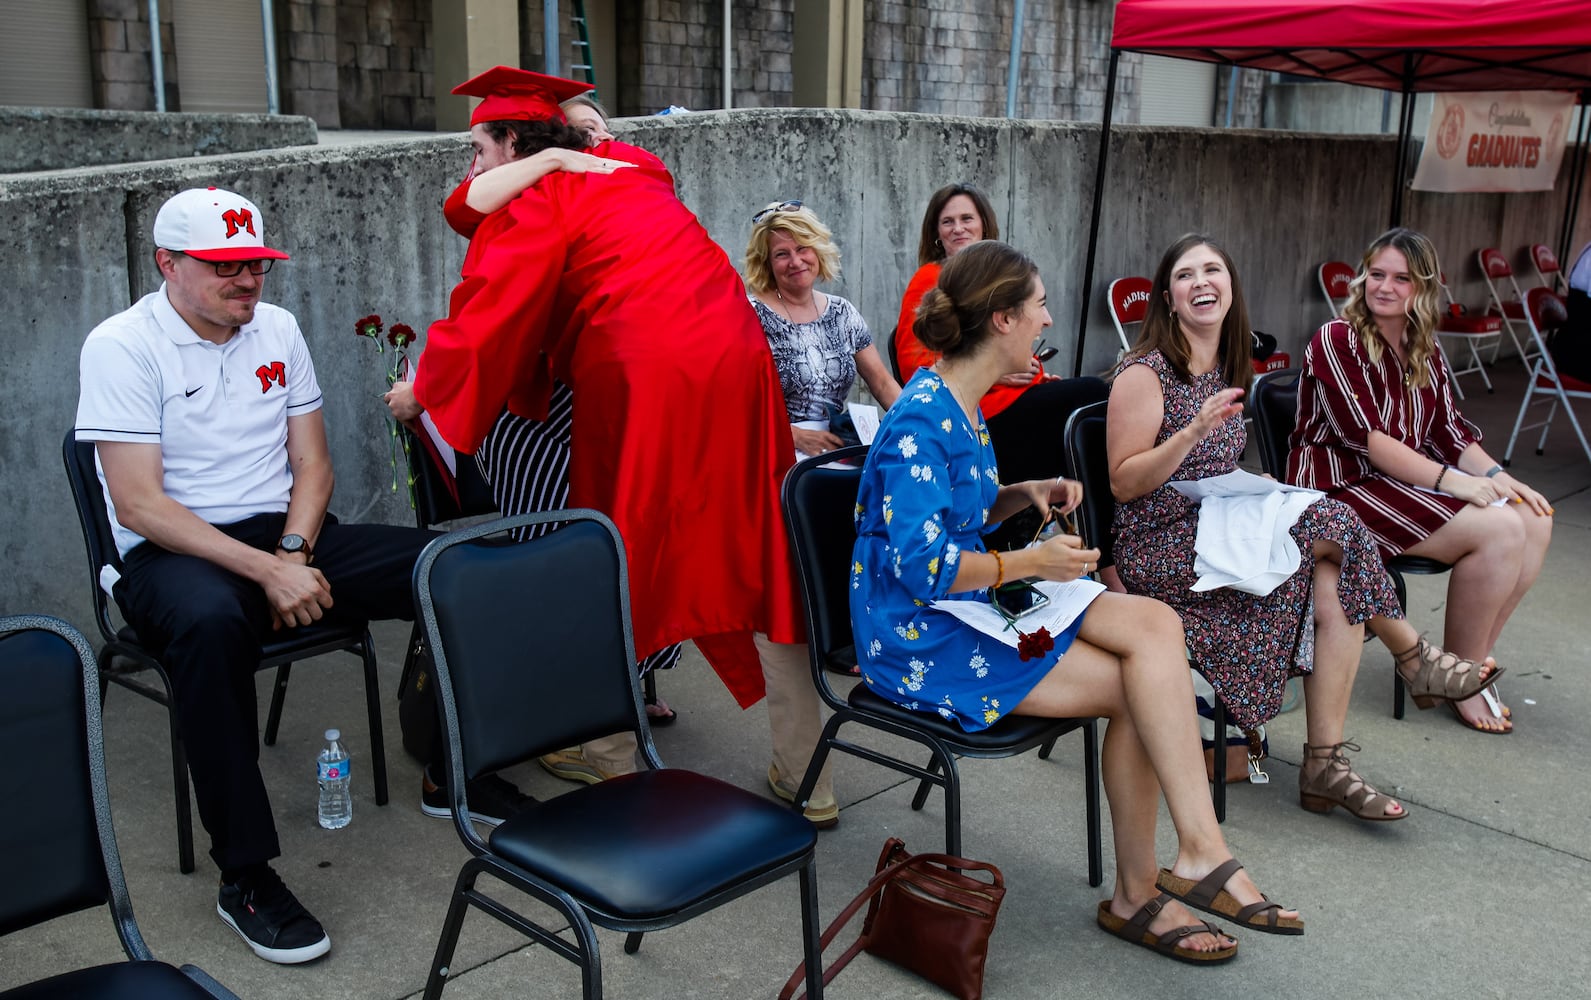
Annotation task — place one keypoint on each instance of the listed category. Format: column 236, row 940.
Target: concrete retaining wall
column 57, row 138
column 365, row 229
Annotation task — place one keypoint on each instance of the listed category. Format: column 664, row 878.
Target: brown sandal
column 1209, row 895
column 1136, row 930
column 1337, row 784
column 1437, row 675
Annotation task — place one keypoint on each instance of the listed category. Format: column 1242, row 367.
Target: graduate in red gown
column 607, row 283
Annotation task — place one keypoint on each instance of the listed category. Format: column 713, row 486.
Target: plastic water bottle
column 336, row 797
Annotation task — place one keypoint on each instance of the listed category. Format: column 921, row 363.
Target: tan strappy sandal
column 1337, row 784
column 1433, row 675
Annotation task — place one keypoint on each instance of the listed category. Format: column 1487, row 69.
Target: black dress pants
column 207, row 626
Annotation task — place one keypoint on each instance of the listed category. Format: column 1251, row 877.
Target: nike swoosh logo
column 190, row 392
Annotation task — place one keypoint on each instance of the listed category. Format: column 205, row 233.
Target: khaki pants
column 794, row 722
column 794, row 719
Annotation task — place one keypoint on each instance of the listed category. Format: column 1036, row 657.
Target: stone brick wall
column 671, row 52
column 929, row 56
column 119, row 49
column 1248, row 104
column 953, row 57
column 382, row 60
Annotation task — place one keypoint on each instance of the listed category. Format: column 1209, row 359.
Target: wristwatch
column 295, row 543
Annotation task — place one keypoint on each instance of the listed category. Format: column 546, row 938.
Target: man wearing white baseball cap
column 205, row 412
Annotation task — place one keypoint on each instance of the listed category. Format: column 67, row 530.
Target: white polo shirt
column 218, row 412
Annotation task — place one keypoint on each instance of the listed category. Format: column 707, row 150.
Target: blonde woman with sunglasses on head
column 820, row 342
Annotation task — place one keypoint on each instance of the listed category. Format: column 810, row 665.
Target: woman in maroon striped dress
column 1378, row 429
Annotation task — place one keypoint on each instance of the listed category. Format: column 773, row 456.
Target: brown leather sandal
column 1436, row 675
column 1135, row 929
column 1337, row 784
column 1208, row 894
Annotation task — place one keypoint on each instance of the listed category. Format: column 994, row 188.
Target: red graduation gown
column 611, row 285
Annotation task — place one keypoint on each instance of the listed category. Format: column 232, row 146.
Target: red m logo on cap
column 238, row 218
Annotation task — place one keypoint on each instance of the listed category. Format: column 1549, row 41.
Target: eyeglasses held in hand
column 784, row 206
column 1064, row 518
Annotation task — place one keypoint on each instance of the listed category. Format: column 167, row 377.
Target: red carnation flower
column 401, row 335
column 368, row 326
column 1033, row 646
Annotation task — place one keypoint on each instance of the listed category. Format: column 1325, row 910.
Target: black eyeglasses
column 233, row 268
column 784, row 206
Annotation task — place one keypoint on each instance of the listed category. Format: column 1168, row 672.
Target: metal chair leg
column 273, row 718
column 378, row 746
column 1044, row 751
column 632, row 942
column 921, row 797
column 1096, row 861
column 1218, row 787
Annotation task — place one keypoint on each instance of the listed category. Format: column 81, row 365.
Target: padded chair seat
column 1469, row 323
column 1000, row 736
column 653, row 843
column 303, row 637
column 129, row 980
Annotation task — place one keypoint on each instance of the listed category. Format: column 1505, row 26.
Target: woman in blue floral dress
column 929, row 487
column 1175, row 414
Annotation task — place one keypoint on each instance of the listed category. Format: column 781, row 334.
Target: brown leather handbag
column 925, row 914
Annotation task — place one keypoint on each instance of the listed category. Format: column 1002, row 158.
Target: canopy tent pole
column 1085, row 291
column 1400, row 171
column 1577, row 167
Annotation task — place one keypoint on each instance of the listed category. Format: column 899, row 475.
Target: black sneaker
column 271, row 920
column 491, row 799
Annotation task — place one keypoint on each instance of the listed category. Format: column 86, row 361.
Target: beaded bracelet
column 1439, row 475
column 999, row 564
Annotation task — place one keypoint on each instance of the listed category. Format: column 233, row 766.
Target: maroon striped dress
column 1342, row 397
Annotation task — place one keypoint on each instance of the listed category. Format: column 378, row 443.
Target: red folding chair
column 1544, row 309
column 1459, row 324
column 1547, row 269
column 1129, row 302
column 1495, row 269
column 1335, row 277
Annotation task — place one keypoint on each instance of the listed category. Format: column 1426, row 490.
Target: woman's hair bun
column 938, row 325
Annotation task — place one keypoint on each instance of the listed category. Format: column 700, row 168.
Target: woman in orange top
column 1025, row 411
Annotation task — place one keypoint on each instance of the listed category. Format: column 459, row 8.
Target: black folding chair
column 818, row 506
column 60, row 850
column 122, row 657
column 1085, row 449
column 1273, row 401
column 438, row 502
column 533, row 651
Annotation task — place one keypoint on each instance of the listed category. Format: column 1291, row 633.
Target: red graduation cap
column 510, row 94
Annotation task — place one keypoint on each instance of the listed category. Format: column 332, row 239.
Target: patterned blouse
column 816, row 360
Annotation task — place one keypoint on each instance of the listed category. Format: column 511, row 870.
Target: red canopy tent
column 1410, row 46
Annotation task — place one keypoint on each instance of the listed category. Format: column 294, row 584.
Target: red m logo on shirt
column 273, row 372
column 238, row 218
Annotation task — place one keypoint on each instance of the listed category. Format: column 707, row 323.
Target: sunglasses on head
column 784, row 206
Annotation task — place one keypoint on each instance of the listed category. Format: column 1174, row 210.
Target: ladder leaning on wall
column 581, row 68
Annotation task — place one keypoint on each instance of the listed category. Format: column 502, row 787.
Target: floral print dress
column 925, row 496
column 1246, row 646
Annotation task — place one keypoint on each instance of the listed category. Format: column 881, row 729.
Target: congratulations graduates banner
column 1495, row 141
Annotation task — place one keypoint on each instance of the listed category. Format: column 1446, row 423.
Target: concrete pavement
column 1478, row 893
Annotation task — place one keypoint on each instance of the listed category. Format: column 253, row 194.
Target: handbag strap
column 874, row 885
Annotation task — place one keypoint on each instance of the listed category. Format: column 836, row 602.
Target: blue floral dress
column 925, row 496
